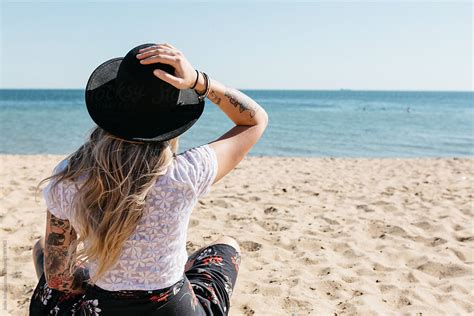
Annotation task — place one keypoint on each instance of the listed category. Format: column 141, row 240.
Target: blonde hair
column 110, row 202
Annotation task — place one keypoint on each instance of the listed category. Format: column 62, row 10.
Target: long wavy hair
column 112, row 177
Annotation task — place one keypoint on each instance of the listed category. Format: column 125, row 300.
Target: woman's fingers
column 156, row 51
column 169, row 46
column 168, row 54
column 165, row 59
column 172, row 80
column 148, row 48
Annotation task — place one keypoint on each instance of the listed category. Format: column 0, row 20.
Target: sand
column 319, row 236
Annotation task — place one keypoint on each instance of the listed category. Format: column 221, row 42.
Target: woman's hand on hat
column 184, row 75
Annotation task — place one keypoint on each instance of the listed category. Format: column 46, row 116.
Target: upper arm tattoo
column 59, row 235
column 59, row 229
column 241, row 101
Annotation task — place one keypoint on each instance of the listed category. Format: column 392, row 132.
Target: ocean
column 341, row 123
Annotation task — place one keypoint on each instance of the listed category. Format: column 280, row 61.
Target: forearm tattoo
column 56, row 255
column 214, row 97
column 241, row 101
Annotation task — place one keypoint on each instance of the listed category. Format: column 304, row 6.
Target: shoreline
column 319, row 235
column 61, row 156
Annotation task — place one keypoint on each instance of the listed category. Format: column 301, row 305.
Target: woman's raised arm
column 249, row 117
column 250, row 120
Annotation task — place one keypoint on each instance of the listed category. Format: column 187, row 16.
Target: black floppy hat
column 127, row 100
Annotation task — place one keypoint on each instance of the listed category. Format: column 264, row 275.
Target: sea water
column 341, row 123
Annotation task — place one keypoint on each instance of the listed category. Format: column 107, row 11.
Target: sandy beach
column 320, row 236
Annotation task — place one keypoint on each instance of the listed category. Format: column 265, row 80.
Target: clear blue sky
column 394, row 45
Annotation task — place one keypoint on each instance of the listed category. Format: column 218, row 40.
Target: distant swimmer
column 408, row 109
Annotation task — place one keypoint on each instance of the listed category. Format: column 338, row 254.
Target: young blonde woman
column 118, row 207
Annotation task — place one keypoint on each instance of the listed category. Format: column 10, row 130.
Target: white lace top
column 154, row 256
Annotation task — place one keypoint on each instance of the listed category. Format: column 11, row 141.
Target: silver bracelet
column 208, row 87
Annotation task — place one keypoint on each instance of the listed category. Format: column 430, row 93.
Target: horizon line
column 276, row 89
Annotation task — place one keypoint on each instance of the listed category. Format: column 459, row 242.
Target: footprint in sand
column 435, row 241
column 346, row 308
column 221, row 203
column 403, row 301
column 423, row 225
column 384, row 288
column 330, row 221
column 397, row 231
column 364, row 207
column 324, row 271
column 248, row 310
column 330, row 289
column 272, row 291
column 411, row 278
column 251, row 246
column 459, row 254
column 464, row 239
column 348, row 279
column 270, row 210
column 193, row 223
column 308, row 261
column 292, row 305
column 272, row 226
column 443, row 270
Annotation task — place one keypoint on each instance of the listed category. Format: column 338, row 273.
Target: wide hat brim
column 124, row 98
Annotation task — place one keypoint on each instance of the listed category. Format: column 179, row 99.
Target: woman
column 118, row 208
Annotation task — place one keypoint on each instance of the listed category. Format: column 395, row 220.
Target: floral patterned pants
column 205, row 289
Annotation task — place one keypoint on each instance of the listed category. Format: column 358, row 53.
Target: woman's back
column 154, row 256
